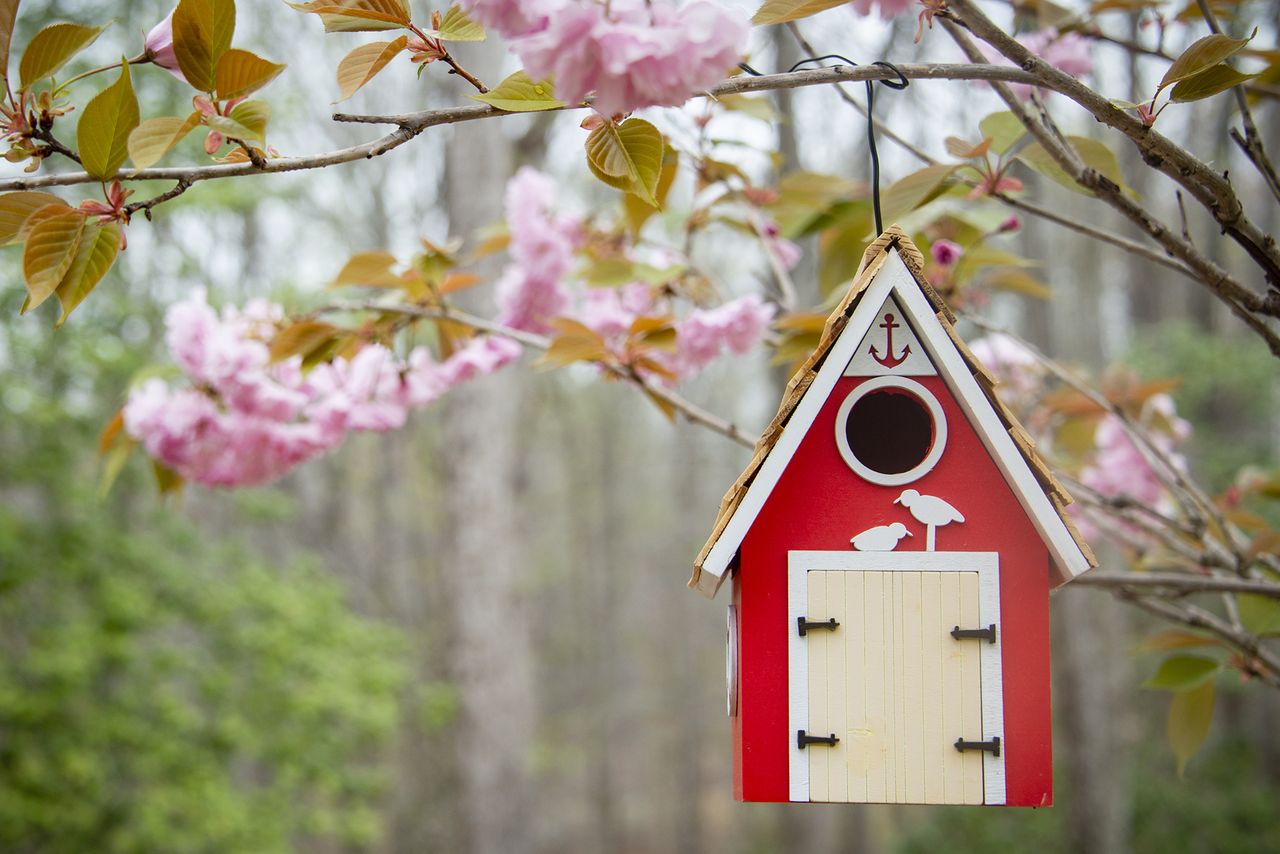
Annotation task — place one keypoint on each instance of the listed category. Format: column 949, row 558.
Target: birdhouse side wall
column 819, row 503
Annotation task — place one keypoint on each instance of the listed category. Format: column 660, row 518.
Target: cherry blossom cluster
column 1120, row 468
column 630, row 53
column 534, row 288
column 243, row 420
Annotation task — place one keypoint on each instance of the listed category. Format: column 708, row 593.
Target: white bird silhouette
column 883, row 538
column 930, row 511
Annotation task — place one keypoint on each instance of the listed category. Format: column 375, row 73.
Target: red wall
column 819, row 503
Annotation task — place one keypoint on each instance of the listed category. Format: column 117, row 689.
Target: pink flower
column 1010, row 224
column 888, row 8
column 611, row 311
column 531, row 291
column 511, row 18
column 480, row 357
column 738, row 324
column 634, row 54
column 158, row 47
column 785, row 252
column 1016, row 368
column 946, row 253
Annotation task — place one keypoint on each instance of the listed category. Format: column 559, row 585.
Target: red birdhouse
column 892, row 547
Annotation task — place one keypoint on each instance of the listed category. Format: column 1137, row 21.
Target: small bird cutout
column 930, row 511
column 883, row 538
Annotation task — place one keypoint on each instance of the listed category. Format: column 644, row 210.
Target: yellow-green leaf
column 1208, row 83
column 254, row 116
column 93, row 257
column 520, row 94
column 362, row 64
column 347, row 16
column 455, row 26
column 241, row 73
column 1018, row 281
column 1201, row 55
column 50, row 250
column 230, row 128
column 781, row 11
column 627, row 156
column 1183, row 672
column 916, row 189
column 154, row 138
column 17, row 208
column 757, row 107
column 1173, row 639
column 1095, row 155
column 8, row 14
column 301, row 338
column 50, row 49
column 103, row 133
column 1260, row 614
column 202, row 31
column 1003, row 129
column 636, row 209
column 1190, row 717
column 576, row 345
column 369, row 268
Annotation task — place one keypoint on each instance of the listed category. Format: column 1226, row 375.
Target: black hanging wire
column 901, row 83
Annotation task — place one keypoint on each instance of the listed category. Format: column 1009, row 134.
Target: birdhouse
column 891, row 549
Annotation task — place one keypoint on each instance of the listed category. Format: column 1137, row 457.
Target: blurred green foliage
column 159, row 691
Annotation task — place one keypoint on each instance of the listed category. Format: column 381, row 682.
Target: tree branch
column 410, row 125
column 1185, row 583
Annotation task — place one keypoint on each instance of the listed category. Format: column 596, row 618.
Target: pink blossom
column 1011, row 224
column 1068, row 52
column 158, row 47
column 785, row 252
column 634, row 54
column 611, row 311
column 738, row 325
column 946, row 253
column 531, row 291
column 1015, row 367
column 888, row 8
column 246, row 420
column 511, row 18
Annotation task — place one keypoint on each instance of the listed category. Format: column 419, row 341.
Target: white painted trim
column 894, row 277
column 935, row 412
column 917, row 364
column 986, row 564
column 731, row 659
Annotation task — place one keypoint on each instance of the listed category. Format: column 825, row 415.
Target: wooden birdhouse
column 891, row 549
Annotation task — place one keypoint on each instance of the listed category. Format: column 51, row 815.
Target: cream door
column 893, row 685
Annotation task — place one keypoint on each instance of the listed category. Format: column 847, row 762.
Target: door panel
column 894, row 686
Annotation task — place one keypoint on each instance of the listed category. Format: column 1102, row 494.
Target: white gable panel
column 895, row 279
column 890, row 348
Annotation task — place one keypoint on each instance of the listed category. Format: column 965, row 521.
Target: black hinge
column 992, row 746
column 803, row 740
column 805, row 626
column 988, row 634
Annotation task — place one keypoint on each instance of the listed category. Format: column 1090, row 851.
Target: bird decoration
column 883, row 538
column 930, row 511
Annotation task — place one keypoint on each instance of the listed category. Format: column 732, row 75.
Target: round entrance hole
column 889, row 431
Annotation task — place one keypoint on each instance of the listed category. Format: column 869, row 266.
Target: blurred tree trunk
column 480, row 554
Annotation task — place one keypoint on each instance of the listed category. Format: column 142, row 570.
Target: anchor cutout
column 889, row 360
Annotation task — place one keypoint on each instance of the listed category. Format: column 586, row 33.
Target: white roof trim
column 894, row 277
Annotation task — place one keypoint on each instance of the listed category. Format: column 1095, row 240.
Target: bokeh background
column 474, row 633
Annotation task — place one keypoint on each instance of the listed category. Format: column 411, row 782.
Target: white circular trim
column 731, row 663
column 939, row 430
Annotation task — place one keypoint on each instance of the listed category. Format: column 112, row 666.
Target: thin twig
column 147, row 204
column 1179, row 581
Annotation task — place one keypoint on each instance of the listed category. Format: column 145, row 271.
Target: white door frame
column 986, row 564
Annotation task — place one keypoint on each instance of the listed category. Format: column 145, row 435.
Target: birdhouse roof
column 892, row 265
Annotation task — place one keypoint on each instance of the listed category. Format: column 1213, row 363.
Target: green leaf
column 1203, row 54
column 253, row 116
column 8, row 14
column 1260, row 614
column 103, row 133
column 781, row 11
column 369, row 268
column 361, row 65
column 1208, row 83
column 349, row 16
column 1003, row 129
column 636, row 210
column 17, row 208
column 627, row 156
column 202, row 31
column 455, row 26
column 50, row 250
column 520, row 94
column 962, row 149
column 50, row 49
column 1190, row 716
column 231, row 128
column 154, row 138
column 241, row 73
column 916, row 189
column 757, row 107
column 1095, row 154
column 93, row 257
column 1017, row 281
column 1183, row 672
